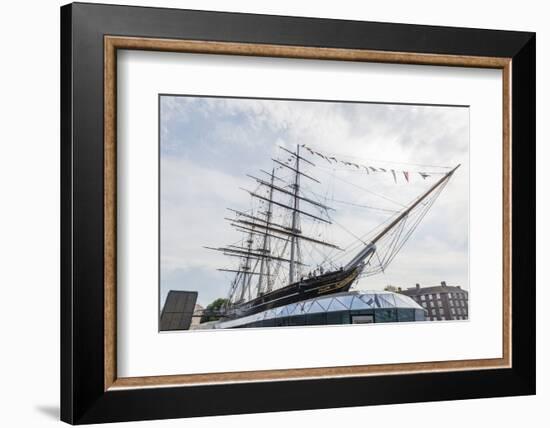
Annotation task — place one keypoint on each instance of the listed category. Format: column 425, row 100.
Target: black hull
column 308, row 288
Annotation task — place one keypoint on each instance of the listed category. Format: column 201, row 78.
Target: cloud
column 208, row 145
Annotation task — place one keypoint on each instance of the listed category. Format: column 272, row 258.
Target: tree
column 391, row 288
column 215, row 306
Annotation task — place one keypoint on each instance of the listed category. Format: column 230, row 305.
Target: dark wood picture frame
column 90, row 389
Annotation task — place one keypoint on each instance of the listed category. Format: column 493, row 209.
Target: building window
column 336, row 318
column 424, row 304
column 430, row 296
column 438, row 296
column 451, row 303
column 385, row 315
column 441, row 311
column 423, row 297
column 405, row 315
column 453, row 311
column 439, row 303
column 316, row 319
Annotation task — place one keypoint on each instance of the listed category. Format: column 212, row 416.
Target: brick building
column 441, row 302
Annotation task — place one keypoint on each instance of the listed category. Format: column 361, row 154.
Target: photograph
column 294, row 213
column 276, row 211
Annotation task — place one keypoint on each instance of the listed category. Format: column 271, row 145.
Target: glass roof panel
column 291, row 308
column 325, row 302
column 306, row 306
column 359, row 303
column 385, row 300
column 345, row 300
column 369, row 300
column 404, row 301
column 315, row 308
column 336, row 305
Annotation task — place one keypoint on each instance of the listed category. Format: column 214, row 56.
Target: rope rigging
column 277, row 244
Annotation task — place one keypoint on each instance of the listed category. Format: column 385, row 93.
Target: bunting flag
column 368, row 168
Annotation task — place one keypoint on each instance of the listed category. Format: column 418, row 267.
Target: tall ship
column 285, row 253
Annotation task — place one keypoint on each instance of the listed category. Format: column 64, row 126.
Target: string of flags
column 367, row 168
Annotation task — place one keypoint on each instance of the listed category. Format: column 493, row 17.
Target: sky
column 209, row 145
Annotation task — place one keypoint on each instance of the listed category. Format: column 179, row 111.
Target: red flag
column 406, row 174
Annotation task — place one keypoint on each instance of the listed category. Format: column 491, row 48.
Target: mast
column 265, row 263
column 294, row 243
column 246, row 266
column 260, row 260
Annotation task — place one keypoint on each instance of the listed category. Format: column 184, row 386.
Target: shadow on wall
column 50, row 411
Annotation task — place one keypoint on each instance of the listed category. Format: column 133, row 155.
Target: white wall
column 29, row 230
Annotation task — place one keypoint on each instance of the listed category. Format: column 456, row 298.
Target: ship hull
column 305, row 289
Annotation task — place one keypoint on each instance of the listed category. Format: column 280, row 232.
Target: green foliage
column 214, row 306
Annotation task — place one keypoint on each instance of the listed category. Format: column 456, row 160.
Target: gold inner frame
column 113, row 43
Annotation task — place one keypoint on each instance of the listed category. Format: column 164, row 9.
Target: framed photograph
column 291, row 213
